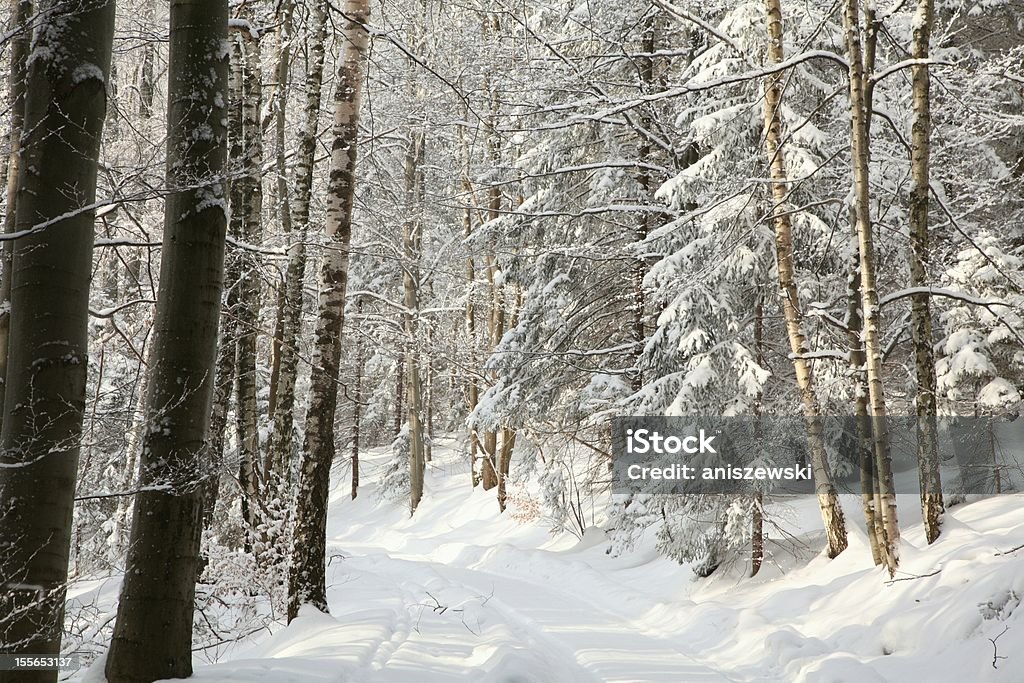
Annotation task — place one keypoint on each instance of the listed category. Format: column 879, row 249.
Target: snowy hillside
column 460, row 593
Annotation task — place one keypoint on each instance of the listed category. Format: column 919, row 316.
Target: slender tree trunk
column 472, row 385
column 279, row 452
column 284, row 209
column 251, row 192
column 307, row 583
column 153, row 632
column 870, row 501
column 646, row 183
column 920, row 312
column 357, row 405
column 147, row 79
column 860, row 151
column 411, row 288
column 64, row 111
column 757, row 512
column 496, row 294
column 828, row 500
column 21, row 11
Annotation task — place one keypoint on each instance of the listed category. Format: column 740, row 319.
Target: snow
column 87, row 71
column 462, row 593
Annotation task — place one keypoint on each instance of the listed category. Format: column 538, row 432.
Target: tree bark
column 279, row 451
column 828, row 500
column 859, row 55
column 307, row 582
column 21, row 11
column 64, row 109
column 920, row 311
column 153, row 632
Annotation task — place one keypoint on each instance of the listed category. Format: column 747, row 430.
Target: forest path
column 513, row 611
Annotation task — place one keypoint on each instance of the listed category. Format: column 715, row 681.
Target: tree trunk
column 920, row 312
column 828, row 501
column 307, row 583
column 279, row 452
column 472, row 385
column 870, row 502
column 64, row 109
column 21, row 10
column 757, row 511
column 281, row 191
column 411, row 241
column 400, row 378
column 153, row 632
column 357, row 405
column 250, row 186
column 860, row 153
column 508, row 444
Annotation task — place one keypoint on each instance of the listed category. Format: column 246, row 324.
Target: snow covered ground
column 461, row 593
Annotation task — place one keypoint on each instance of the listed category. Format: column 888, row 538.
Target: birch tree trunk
column 920, row 311
column 21, row 11
column 828, row 500
column 279, row 451
column 870, row 501
column 64, row 109
column 306, row 576
column 153, row 633
column 859, row 55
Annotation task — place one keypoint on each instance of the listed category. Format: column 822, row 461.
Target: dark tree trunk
column 21, row 10
column 153, row 632
column 65, row 107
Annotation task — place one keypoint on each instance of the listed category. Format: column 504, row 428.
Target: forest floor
column 461, row 593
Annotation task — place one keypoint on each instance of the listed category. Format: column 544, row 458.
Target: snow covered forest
column 316, row 318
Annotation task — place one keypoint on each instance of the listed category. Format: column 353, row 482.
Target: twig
column 1011, row 550
column 995, row 650
column 911, row 577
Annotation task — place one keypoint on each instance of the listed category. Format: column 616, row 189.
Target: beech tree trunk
column 920, row 311
column 858, row 55
column 64, row 109
column 153, row 632
column 828, row 500
column 307, row 583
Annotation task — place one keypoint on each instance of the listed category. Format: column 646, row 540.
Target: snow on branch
column 937, row 291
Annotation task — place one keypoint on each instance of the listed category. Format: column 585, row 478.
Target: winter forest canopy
column 272, row 269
